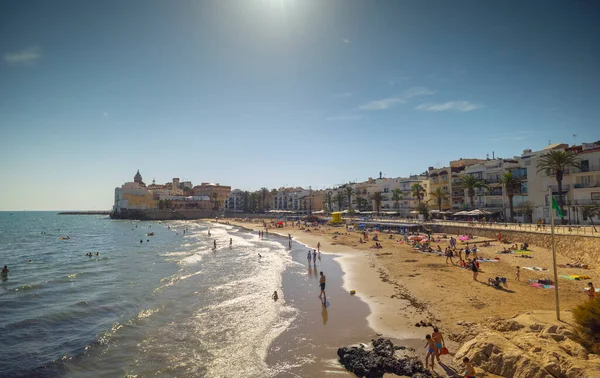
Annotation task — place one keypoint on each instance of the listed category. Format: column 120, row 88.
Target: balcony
column 584, row 202
column 586, row 185
column 565, row 187
column 586, row 168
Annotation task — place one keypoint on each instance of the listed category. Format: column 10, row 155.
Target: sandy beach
column 403, row 286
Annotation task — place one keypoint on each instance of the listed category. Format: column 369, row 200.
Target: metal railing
column 583, row 230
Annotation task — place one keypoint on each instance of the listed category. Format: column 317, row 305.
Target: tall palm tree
column 215, row 198
column 470, row 183
column 349, row 192
column 556, row 162
column 417, row 191
column 512, row 186
column 361, row 202
column 340, row 198
column 377, row 198
column 264, row 192
column 439, row 195
column 329, row 200
column 397, row 197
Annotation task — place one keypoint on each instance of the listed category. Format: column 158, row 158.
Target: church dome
column 137, row 178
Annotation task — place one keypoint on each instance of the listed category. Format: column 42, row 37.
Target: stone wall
column 577, row 247
column 147, row 215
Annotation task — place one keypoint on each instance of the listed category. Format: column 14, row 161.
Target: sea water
column 163, row 306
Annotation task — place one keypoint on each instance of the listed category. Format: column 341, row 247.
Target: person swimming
column 275, row 296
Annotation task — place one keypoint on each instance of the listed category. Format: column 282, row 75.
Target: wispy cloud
column 382, row 104
column 460, row 106
column 343, row 94
column 346, row 40
column 403, row 98
column 27, row 57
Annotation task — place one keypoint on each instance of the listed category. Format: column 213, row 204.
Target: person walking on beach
column 230, row 242
column 215, row 244
column 518, row 276
column 438, row 338
column 430, row 345
column 322, row 285
column 308, row 257
column 319, row 246
column 315, row 257
column 449, row 255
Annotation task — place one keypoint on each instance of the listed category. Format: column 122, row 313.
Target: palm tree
column 527, row 209
column 512, row 186
column 397, row 197
column 329, row 200
column 273, row 195
column 349, row 192
column 264, row 192
column 439, row 195
column 417, row 191
column 340, row 198
column 556, row 162
column 361, row 202
column 377, row 198
column 470, row 183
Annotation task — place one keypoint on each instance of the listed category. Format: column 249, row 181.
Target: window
column 585, row 166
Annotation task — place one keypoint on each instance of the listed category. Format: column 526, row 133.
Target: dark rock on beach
column 380, row 360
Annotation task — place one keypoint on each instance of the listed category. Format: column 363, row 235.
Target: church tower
column 137, row 178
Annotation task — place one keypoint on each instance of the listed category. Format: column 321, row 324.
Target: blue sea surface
column 163, row 305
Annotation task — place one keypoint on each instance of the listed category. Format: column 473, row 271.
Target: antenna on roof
column 574, row 135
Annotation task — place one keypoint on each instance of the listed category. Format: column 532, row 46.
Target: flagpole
column 554, row 256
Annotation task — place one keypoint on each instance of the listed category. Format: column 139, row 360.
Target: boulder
column 380, row 360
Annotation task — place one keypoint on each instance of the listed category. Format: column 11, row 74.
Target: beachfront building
column 440, row 178
column 457, row 169
column 134, row 196
column 409, row 201
column 236, row 201
column 290, row 198
column 217, row 193
column 311, row 201
column 580, row 187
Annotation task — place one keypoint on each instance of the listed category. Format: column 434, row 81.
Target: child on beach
column 518, row 276
column 469, row 369
column 591, row 291
column 430, row 345
column 439, row 341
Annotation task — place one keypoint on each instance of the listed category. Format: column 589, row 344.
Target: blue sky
column 281, row 92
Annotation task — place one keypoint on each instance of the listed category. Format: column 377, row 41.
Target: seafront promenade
column 583, row 230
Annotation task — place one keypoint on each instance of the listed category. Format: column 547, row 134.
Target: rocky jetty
column 375, row 362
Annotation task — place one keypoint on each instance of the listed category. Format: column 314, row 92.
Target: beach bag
column 444, row 350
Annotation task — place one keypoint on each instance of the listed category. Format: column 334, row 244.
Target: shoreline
column 402, row 286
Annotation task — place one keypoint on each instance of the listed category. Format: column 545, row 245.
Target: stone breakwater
column 581, row 248
column 153, row 215
column 375, row 362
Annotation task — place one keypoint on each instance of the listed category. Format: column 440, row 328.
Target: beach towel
column 540, row 286
column 485, row 259
column 585, row 288
column 534, row 268
column 522, row 252
column 574, row 277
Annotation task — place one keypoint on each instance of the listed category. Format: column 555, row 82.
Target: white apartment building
column 235, row 201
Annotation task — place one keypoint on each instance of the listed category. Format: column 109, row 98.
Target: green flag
column 557, row 208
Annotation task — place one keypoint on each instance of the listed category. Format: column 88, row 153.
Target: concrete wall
column 585, row 249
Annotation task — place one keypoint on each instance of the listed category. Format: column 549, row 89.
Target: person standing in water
column 315, row 257
column 230, row 242
column 215, row 244
column 322, row 286
column 308, row 257
column 319, row 247
column 5, row 273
